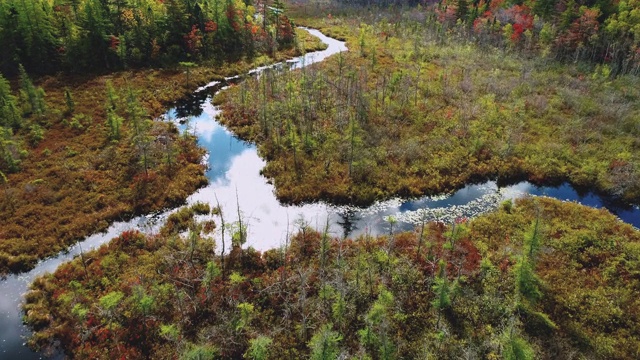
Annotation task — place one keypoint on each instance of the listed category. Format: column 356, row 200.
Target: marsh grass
column 412, row 109
column 77, row 179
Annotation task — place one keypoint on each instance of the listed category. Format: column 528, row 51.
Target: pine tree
column 94, row 39
column 114, row 121
column 10, row 151
column 9, row 115
column 514, row 347
column 441, row 288
column 527, row 282
column 68, row 99
column 36, row 34
column 258, row 348
column 32, row 98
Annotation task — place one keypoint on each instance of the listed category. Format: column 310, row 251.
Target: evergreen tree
column 31, row 28
column 442, row 288
column 95, row 35
column 514, row 347
column 258, row 348
column 324, row 344
column 9, row 115
column 544, row 8
column 462, row 10
column 11, row 43
column 68, row 99
column 10, row 151
column 32, row 97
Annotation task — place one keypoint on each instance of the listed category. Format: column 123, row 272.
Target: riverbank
column 414, row 110
column 79, row 178
column 478, row 287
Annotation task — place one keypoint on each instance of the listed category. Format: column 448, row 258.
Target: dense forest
column 97, row 35
column 537, row 279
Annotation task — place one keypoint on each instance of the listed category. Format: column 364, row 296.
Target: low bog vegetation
column 414, row 109
column 536, row 279
column 78, row 152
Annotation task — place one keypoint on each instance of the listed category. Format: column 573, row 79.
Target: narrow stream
column 235, row 180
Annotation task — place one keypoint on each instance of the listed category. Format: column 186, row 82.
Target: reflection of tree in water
column 192, row 105
column 613, row 203
column 348, row 220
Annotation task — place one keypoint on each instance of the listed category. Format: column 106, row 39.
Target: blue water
column 627, row 213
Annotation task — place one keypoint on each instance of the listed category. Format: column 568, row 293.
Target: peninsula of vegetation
column 424, row 106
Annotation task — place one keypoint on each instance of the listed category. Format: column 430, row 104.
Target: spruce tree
column 9, row 115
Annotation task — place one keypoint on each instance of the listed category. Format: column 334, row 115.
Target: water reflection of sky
column 12, row 333
column 222, row 147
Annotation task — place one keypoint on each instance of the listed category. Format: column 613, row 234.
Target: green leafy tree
column 199, row 352
column 514, row 347
column 110, row 302
column 376, row 337
column 95, row 39
column 27, row 26
column 527, row 282
column 11, row 151
column 170, row 332
column 136, row 117
column 246, row 314
column 114, row 121
column 109, row 305
column 441, row 288
column 68, row 99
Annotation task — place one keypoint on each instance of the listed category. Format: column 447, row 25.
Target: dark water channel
column 235, row 180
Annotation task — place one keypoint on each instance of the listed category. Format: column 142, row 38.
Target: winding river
column 235, row 180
